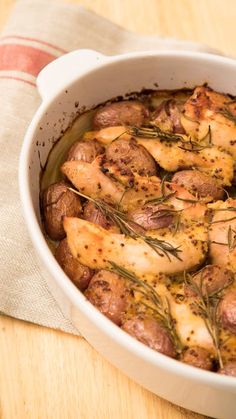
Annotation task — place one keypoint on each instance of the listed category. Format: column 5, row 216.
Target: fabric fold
column 38, row 32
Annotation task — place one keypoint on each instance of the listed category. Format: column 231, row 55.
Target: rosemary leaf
column 192, row 201
column 227, row 114
column 206, row 306
column 152, row 131
column 222, row 221
column 161, row 199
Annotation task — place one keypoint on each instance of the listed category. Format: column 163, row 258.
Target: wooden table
column 52, row 375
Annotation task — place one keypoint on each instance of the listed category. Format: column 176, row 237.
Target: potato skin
column 96, row 216
column 107, row 293
column 228, row 369
column 79, row 274
column 227, row 310
column 85, row 150
column 212, row 277
column 199, row 183
column 126, row 112
column 57, row 202
column 129, row 154
column 197, row 357
column 152, row 217
column 148, row 331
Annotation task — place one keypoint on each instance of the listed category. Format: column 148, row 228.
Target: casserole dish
column 78, row 81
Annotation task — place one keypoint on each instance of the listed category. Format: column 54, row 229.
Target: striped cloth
column 37, row 32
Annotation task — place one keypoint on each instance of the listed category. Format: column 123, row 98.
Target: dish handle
column 62, row 71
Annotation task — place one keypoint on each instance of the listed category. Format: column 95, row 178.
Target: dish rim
column 122, row 338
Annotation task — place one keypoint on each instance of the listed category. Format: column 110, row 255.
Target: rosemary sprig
column 152, row 131
column 160, row 199
column 194, row 146
column 120, row 135
column 198, row 146
column 227, row 114
column 161, row 305
column 164, row 212
column 127, row 227
column 192, row 201
column 206, row 306
column 222, row 221
column 164, row 197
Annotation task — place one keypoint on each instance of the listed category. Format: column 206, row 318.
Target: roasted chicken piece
column 168, row 115
column 177, row 154
column 222, row 234
column 206, row 108
column 90, row 180
column 95, row 247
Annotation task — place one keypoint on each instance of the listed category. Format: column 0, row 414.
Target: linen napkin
column 37, row 32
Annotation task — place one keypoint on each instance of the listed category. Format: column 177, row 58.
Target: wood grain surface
column 51, row 375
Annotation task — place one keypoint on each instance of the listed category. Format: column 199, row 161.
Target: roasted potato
column 79, row 274
column 107, row 292
column 210, row 279
column 96, row 216
column 227, row 310
column 199, row 184
column 148, row 331
column 58, row 201
column 152, row 216
column 129, row 154
column 85, row 150
column 126, row 112
column 198, row 357
column 228, row 369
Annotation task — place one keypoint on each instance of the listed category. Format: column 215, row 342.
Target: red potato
column 198, row 357
column 200, row 184
column 58, row 201
column 127, row 154
column 107, row 293
column 126, row 112
column 79, row 274
column 227, row 310
column 85, row 150
column 151, row 333
column 152, row 216
column 210, row 279
column 96, row 216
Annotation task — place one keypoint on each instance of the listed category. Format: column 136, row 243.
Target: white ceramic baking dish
column 83, row 79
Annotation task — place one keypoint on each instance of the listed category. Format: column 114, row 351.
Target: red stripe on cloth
column 23, row 58
column 18, row 79
column 26, row 38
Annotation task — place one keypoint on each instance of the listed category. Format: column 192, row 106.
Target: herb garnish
column 206, row 306
column 152, row 131
column 227, row 114
column 127, row 227
column 161, row 305
column 164, row 197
